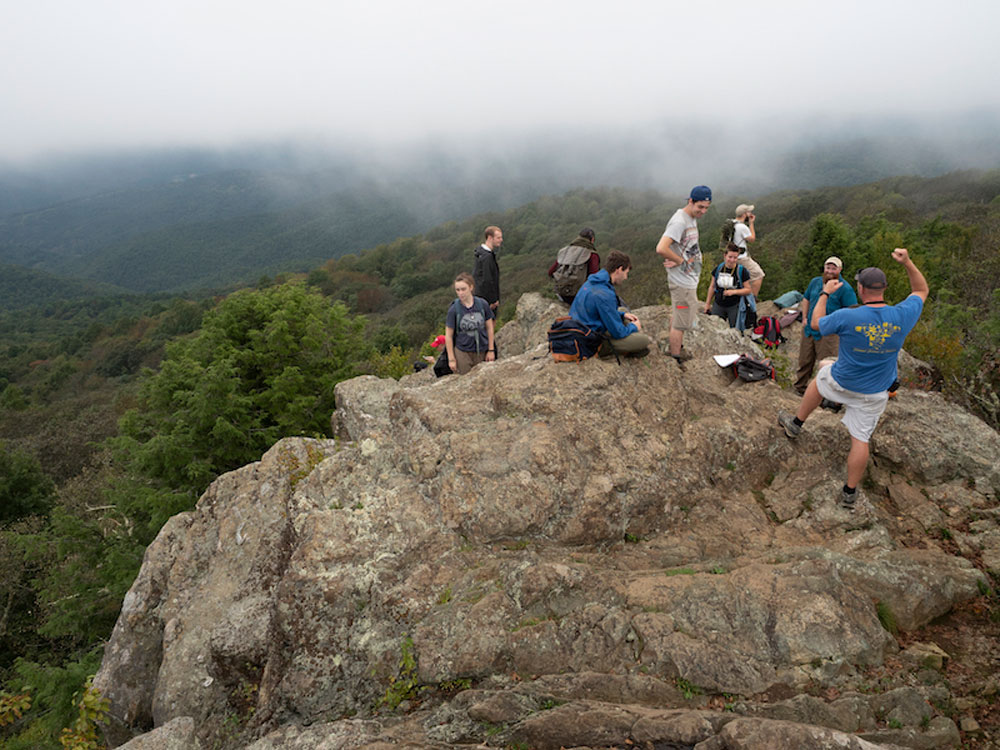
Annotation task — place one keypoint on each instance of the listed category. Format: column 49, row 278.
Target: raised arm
column 918, row 284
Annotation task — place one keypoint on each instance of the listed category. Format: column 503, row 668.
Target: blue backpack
column 572, row 341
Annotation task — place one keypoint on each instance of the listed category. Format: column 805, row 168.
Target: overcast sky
column 107, row 73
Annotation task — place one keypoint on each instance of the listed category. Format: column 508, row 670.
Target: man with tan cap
column 744, row 231
column 814, row 347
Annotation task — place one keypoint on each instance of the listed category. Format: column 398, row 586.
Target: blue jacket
column 596, row 306
column 843, row 297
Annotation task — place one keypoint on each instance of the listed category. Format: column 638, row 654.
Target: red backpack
column 770, row 330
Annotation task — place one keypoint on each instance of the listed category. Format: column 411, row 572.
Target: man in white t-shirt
column 681, row 255
column 744, row 232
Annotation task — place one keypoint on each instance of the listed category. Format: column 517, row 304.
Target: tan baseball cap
column 836, row 261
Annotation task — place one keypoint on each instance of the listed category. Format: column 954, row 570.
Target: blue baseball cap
column 701, row 193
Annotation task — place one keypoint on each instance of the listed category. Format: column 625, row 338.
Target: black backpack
column 728, row 232
column 751, row 370
column 571, row 270
column 770, row 329
column 572, row 341
column 441, row 366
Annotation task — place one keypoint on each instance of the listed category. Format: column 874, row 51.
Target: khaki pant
column 634, row 342
column 465, row 361
column 753, row 268
column 812, row 351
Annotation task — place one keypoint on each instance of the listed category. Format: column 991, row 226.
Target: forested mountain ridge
column 23, row 287
column 226, row 229
column 180, row 220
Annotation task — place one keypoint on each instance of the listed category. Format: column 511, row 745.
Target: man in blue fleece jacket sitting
column 596, row 306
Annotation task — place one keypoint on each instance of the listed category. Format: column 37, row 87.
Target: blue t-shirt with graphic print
column 469, row 324
column 870, row 340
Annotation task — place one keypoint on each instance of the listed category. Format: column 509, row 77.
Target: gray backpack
column 571, row 270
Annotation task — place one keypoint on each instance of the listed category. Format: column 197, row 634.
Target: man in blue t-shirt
column 871, row 337
column 815, row 348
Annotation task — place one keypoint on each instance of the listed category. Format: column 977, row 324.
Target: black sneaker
column 831, row 405
column 847, row 500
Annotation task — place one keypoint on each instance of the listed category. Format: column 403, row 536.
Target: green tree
column 24, row 487
column 263, row 366
column 829, row 236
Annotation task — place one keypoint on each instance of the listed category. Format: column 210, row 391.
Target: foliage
column 830, row 236
column 886, row 618
column 82, row 734
column 24, row 487
column 12, row 707
column 263, row 366
column 404, row 685
column 688, row 689
column 57, row 694
column 393, row 364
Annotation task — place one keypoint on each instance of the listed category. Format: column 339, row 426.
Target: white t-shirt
column 683, row 230
column 740, row 233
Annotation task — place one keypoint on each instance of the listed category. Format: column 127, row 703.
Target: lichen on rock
column 622, row 528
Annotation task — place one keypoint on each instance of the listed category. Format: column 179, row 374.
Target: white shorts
column 862, row 410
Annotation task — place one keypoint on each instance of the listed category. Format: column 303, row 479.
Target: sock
column 798, row 421
column 850, row 490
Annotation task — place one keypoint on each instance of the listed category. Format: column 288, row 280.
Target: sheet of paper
column 724, row 360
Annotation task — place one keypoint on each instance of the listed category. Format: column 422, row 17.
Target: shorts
column 862, row 411
column 685, row 304
column 753, row 268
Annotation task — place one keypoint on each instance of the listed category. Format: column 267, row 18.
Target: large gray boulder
column 613, row 538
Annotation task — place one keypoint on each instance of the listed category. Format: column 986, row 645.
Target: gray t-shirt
column 469, row 324
column 683, row 230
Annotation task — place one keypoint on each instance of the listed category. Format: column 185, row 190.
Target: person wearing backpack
column 468, row 328
column 872, row 335
column 730, row 281
column 815, row 348
column 744, row 231
column 573, row 264
column 596, row 307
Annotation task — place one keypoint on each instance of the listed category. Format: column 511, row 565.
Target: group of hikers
column 855, row 345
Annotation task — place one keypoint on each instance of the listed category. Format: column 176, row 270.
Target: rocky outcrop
column 545, row 555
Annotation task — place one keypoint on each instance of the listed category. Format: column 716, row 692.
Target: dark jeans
column 729, row 313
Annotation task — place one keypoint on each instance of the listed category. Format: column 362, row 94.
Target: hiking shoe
column 787, row 421
column 684, row 356
column 637, row 354
column 831, row 405
column 848, row 501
